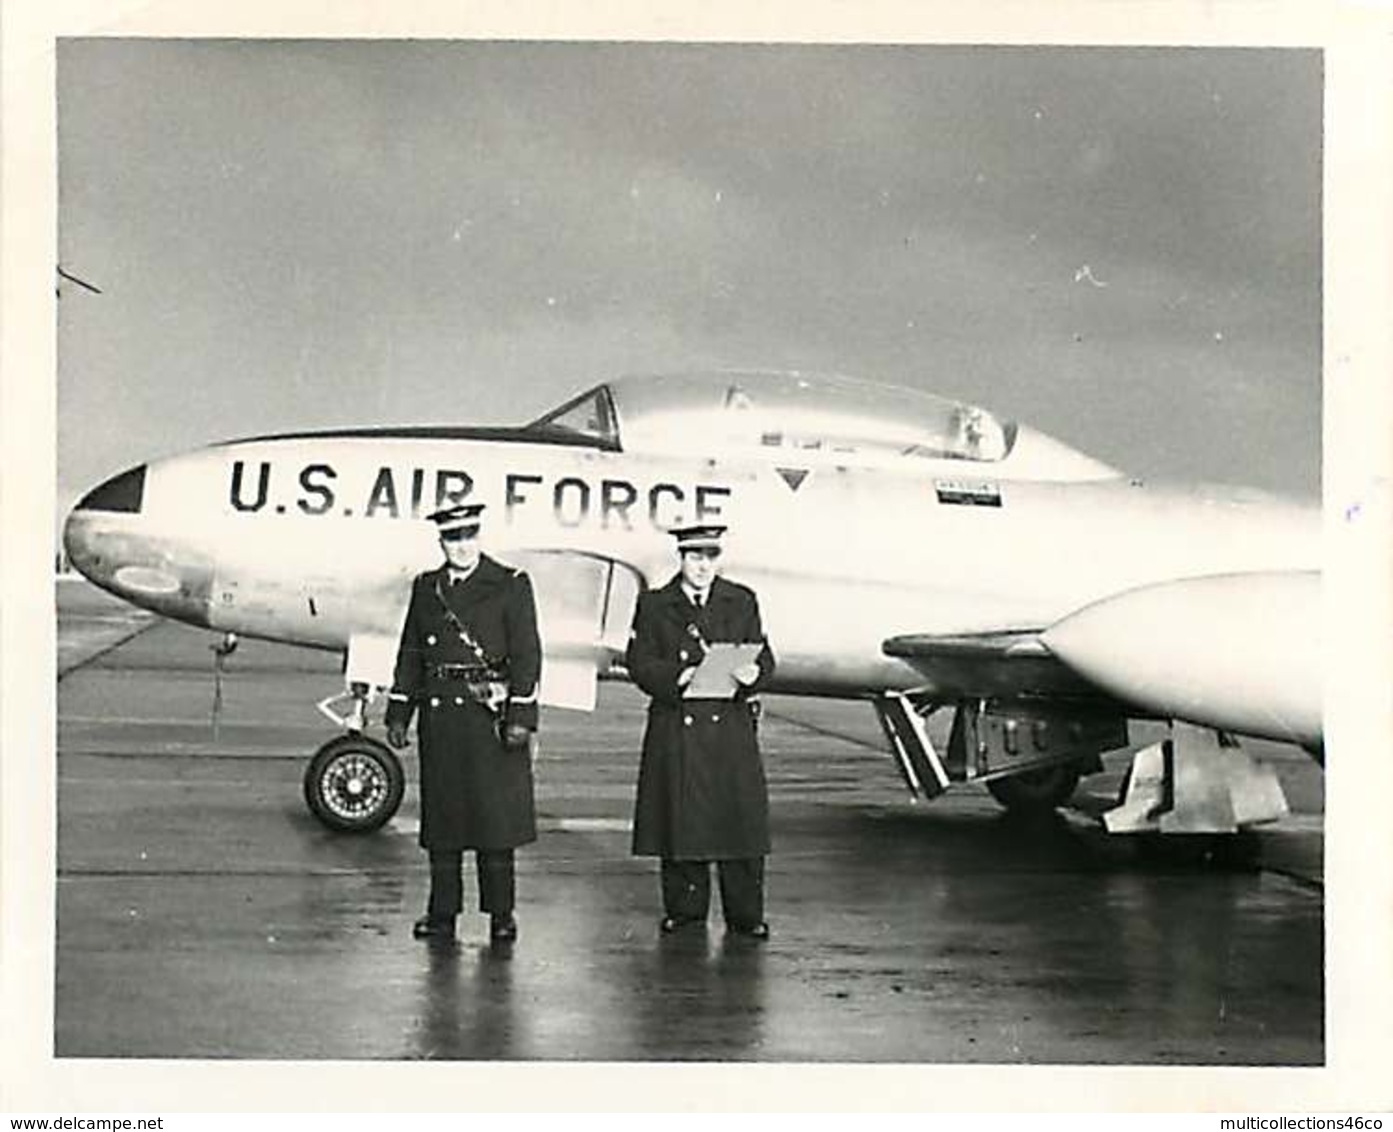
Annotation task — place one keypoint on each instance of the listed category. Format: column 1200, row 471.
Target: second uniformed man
column 468, row 663
column 701, row 789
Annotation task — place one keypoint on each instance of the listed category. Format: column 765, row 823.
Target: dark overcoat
column 701, row 789
column 475, row 793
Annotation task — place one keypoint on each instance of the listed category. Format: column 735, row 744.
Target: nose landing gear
column 353, row 784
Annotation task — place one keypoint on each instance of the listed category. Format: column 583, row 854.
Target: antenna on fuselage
column 71, row 278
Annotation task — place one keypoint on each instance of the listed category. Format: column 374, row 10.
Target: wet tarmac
column 202, row 912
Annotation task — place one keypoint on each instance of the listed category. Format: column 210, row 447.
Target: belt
column 472, row 673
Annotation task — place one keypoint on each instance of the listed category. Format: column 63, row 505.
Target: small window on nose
column 120, row 493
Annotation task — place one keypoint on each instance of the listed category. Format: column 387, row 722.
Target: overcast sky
column 1118, row 246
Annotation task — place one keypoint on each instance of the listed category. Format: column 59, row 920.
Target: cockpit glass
column 800, row 413
column 591, row 415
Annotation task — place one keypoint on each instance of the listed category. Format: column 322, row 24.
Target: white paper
column 714, row 678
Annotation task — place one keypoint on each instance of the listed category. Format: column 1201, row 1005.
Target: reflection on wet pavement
column 203, row 913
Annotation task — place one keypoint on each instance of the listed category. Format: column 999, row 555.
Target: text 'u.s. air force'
column 318, row 489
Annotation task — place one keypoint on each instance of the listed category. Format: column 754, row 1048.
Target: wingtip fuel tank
column 1236, row 652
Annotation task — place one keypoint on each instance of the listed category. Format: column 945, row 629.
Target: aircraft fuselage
column 313, row 539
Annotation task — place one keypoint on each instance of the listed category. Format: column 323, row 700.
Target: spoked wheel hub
column 354, row 784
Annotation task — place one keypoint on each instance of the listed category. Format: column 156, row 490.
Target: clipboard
column 714, row 678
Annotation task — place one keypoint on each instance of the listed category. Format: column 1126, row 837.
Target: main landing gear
column 353, row 784
column 1036, row 791
column 1029, row 757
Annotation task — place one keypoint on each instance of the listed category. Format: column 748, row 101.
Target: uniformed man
column 701, row 790
column 468, row 662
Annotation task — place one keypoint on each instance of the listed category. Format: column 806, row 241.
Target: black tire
column 354, row 784
column 1036, row 791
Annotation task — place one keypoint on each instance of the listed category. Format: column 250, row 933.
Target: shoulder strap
column 459, row 626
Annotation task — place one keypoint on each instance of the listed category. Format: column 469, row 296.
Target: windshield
column 591, row 416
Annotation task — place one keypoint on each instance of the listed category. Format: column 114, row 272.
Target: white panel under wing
column 574, row 591
column 371, row 659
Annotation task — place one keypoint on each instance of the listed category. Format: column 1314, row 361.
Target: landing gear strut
column 353, row 784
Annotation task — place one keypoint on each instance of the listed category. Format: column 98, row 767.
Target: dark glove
column 396, row 735
column 515, row 737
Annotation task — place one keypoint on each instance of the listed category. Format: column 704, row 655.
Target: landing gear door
column 575, row 595
column 621, row 597
column 370, row 660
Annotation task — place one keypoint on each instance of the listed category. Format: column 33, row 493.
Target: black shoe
column 502, row 929
column 434, row 927
column 669, row 924
column 750, row 931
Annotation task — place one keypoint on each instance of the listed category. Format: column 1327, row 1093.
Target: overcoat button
column 715, row 719
column 435, row 701
column 687, row 719
column 430, row 638
column 459, row 700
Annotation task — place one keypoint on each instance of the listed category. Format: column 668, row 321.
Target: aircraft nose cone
column 83, row 548
column 89, row 526
column 110, row 538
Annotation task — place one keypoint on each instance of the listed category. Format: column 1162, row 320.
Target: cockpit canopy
column 812, row 416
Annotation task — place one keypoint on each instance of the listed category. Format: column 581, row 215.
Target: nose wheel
column 354, row 784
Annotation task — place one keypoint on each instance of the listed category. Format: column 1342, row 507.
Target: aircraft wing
column 1233, row 652
column 1012, row 663
column 584, row 608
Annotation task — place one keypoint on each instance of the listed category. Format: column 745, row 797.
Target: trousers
column 493, row 869
column 687, row 889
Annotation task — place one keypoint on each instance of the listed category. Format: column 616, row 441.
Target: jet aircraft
column 909, row 550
